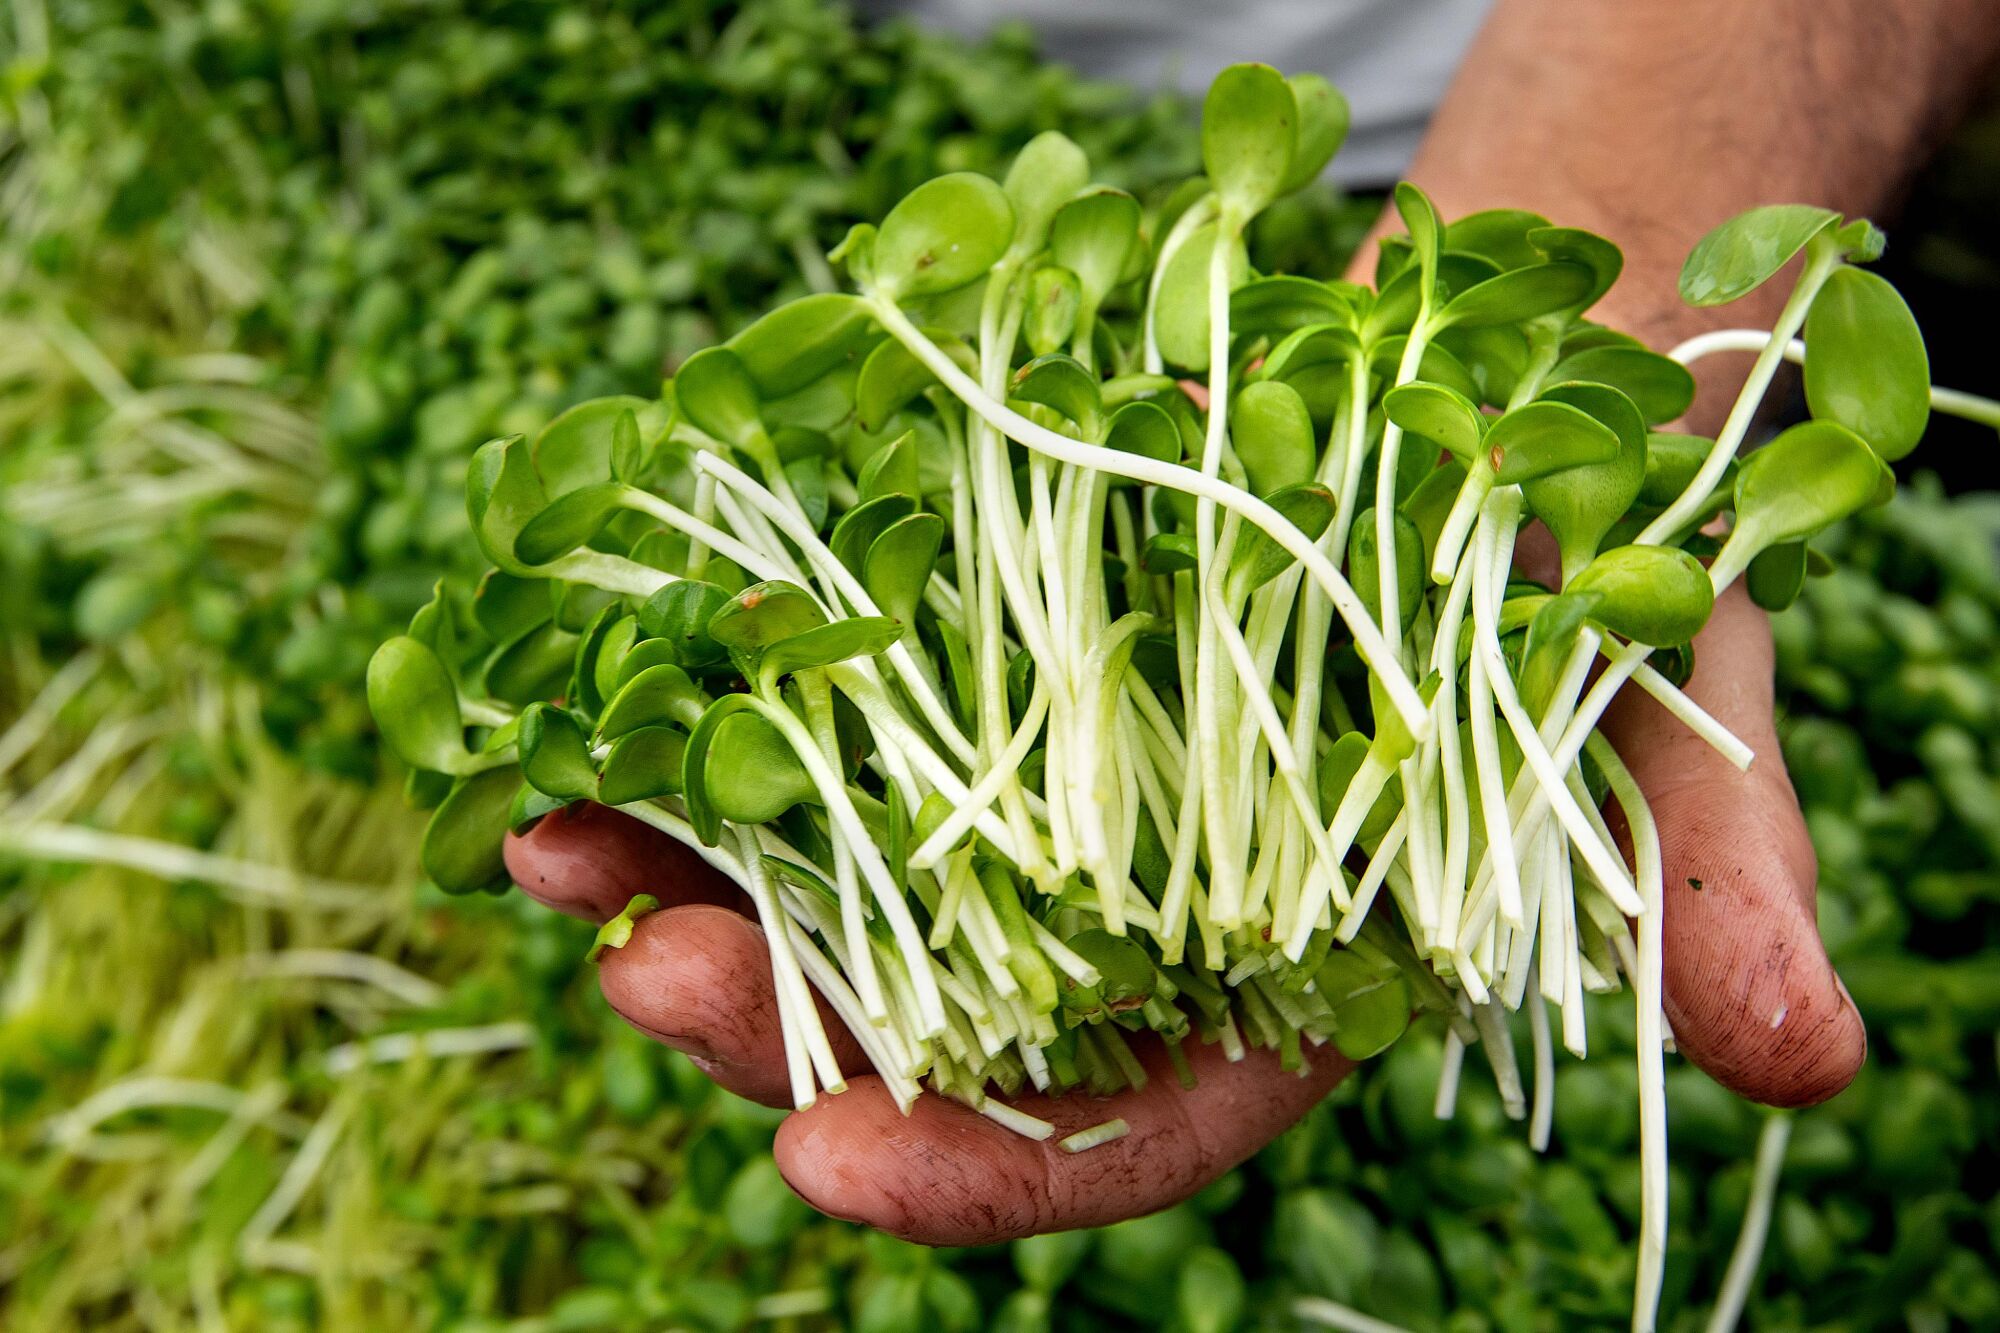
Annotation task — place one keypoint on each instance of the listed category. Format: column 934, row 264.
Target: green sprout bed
column 1039, row 698
column 271, row 274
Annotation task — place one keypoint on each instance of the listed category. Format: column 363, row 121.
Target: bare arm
column 1650, row 121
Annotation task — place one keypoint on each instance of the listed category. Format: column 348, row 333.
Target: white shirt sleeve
column 1392, row 58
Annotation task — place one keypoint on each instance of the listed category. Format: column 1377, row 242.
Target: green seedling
column 1216, row 762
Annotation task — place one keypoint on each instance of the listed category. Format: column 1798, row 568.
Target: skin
column 1646, row 120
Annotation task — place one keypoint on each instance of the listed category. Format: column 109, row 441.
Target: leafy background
column 269, row 271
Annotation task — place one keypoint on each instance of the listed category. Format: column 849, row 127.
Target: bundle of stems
column 1042, row 698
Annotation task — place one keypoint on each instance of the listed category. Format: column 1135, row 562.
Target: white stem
column 1749, row 1251
column 913, row 678
column 1368, row 640
column 1648, row 997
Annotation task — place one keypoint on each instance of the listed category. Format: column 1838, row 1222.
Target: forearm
column 1652, row 120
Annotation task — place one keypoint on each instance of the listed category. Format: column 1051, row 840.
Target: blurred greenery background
column 270, row 270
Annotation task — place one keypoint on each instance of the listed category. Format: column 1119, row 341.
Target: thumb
column 1750, row 992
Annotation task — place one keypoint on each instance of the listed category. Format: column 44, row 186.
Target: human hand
column 1750, row 993
column 695, row 976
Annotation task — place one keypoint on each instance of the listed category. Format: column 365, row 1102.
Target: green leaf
column 568, row 522
column 1093, row 236
column 1777, row 575
column 1054, row 298
column 823, row 645
column 802, row 341
column 1458, row 272
column 749, row 772
column 416, row 707
column 649, row 653
column 617, row 932
column 1169, row 553
column 1284, row 304
column 1048, row 170
column 1672, row 462
column 582, row 693
column 1430, row 504
column 958, row 673
column 1543, row 437
column 1551, row 635
column 1436, row 365
column 627, row 452
column 528, row 808
column 1249, row 127
column 1494, row 359
column 1146, row 429
column 1579, row 505
column 461, row 846
column 642, row 765
column 858, row 528
column 555, row 758
column 892, row 377
column 764, row 614
column 1336, row 774
column 533, row 667
column 1180, row 316
column 502, row 492
column 659, row 694
column 1518, row 295
column 891, row 470
column 1648, row 594
column 1060, row 382
column 1371, row 1005
column 1659, row 386
column 680, row 614
column 1323, row 118
column 1310, row 346
column 1443, row 416
column 1426, row 228
column 1499, row 234
column 1809, row 478
column 944, row 234
column 703, row 813
column 898, row 565
column 1866, row 367
column 1576, row 246
column 1743, row 253
column 1126, row 976
column 715, row 392
column 807, row 478
column 1258, row 559
column 856, row 252
column 1272, row 434
column 576, row 448
column 1364, row 566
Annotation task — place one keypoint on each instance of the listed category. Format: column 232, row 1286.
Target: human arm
column 1650, row 123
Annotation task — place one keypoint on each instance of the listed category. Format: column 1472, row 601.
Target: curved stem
column 1374, row 649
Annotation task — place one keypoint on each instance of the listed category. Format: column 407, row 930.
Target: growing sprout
column 1041, row 704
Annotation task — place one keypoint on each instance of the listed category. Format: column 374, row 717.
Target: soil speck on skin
column 1694, row 884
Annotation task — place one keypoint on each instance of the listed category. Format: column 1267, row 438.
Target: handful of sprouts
column 1041, row 700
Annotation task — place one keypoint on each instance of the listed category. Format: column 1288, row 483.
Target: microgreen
column 1192, row 743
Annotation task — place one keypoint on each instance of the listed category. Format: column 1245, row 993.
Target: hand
column 1750, row 993
column 695, row 976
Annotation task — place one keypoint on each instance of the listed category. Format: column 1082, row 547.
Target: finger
column 589, row 860
column 698, row 979
column 946, row 1175
column 1751, row 994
